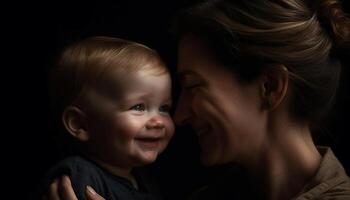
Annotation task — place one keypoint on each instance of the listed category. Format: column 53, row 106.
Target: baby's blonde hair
column 85, row 63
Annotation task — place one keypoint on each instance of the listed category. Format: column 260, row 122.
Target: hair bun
column 335, row 21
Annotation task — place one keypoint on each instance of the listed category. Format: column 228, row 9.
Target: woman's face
column 225, row 113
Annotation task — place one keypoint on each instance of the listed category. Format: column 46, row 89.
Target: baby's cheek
column 128, row 127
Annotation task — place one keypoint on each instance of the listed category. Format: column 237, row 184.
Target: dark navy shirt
column 83, row 172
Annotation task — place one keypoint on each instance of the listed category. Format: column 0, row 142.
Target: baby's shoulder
column 81, row 171
column 76, row 167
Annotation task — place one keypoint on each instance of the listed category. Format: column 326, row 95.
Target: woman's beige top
column 330, row 181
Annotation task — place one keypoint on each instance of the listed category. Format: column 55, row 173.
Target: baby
column 114, row 98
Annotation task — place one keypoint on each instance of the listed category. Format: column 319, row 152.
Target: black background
column 35, row 33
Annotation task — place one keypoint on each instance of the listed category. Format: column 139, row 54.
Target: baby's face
column 129, row 121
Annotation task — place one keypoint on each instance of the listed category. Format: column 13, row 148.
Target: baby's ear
column 274, row 86
column 75, row 121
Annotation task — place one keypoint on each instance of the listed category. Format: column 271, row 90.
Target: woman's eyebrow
column 184, row 73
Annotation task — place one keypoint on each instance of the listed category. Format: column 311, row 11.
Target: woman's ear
column 75, row 121
column 274, row 86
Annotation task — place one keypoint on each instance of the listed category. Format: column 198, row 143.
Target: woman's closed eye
column 138, row 107
column 191, row 86
column 190, row 80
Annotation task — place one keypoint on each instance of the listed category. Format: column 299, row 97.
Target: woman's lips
column 204, row 136
column 201, row 130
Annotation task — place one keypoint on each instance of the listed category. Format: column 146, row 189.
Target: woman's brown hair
column 307, row 37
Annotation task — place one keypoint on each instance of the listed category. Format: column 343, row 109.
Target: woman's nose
column 182, row 111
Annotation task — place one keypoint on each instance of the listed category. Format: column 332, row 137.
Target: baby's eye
column 165, row 108
column 139, row 107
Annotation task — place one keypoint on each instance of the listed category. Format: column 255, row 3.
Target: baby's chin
column 147, row 158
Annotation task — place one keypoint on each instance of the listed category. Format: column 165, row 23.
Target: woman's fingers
column 65, row 189
column 91, row 194
column 53, row 190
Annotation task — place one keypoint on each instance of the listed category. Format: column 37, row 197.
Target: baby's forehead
column 118, row 81
column 149, row 89
column 115, row 75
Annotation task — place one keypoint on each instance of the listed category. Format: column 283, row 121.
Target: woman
column 256, row 77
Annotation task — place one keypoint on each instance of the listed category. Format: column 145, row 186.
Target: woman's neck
column 287, row 162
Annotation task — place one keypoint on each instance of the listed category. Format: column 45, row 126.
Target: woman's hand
column 62, row 190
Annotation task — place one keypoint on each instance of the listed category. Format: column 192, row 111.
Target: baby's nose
column 155, row 122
